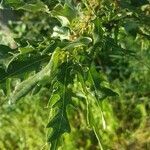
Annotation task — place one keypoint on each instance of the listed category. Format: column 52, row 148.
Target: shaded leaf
column 24, row 87
column 35, row 7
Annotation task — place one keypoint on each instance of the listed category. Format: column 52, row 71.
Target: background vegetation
column 74, row 74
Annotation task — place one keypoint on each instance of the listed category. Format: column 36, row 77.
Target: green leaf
column 24, row 87
column 59, row 125
column 27, row 49
column 5, row 50
column 131, row 27
column 35, row 7
column 7, row 56
column 61, row 32
column 81, row 41
column 64, row 21
column 54, row 99
column 108, row 91
column 31, row 6
column 22, row 65
column 98, row 31
column 51, row 47
column 59, row 101
column 14, row 3
column 65, row 11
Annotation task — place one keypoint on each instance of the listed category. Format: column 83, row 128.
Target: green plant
column 74, row 49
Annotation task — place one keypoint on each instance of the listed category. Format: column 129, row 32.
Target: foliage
column 23, row 125
column 89, row 55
